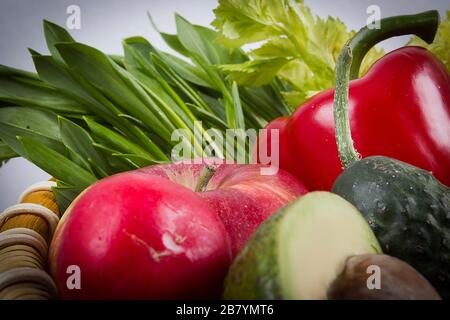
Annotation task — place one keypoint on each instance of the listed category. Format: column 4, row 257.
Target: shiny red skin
column 399, row 109
column 146, row 235
column 239, row 194
column 113, row 230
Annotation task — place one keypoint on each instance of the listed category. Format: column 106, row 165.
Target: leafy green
column 238, row 121
column 199, row 40
column 441, row 44
column 86, row 115
column 55, row 163
column 98, row 70
column 65, row 195
column 199, row 44
column 13, row 72
column 26, row 92
column 297, row 47
column 187, row 71
column 118, row 143
column 23, row 121
column 55, row 34
column 78, row 140
column 6, row 153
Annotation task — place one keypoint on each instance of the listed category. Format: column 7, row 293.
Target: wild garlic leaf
column 187, row 71
column 115, row 141
column 78, row 140
column 31, row 93
column 23, row 121
column 13, row 72
column 55, row 34
column 36, row 121
column 174, row 43
column 6, row 153
column 65, row 195
column 56, row 164
column 201, row 41
column 120, row 87
column 57, row 74
column 237, row 108
column 118, row 164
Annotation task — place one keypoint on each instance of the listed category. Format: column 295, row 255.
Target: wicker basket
column 26, row 230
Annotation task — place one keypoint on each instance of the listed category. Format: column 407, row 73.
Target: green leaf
column 178, row 82
column 65, row 195
column 174, row 43
column 132, row 119
column 55, row 34
column 274, row 49
column 61, row 77
column 255, row 72
column 441, row 44
column 215, row 104
column 238, row 113
column 119, row 60
column 33, row 52
column 118, row 143
column 295, row 46
column 28, row 93
column 135, row 158
column 208, row 117
column 13, row 72
column 200, row 41
column 22, row 121
column 78, row 140
column 119, row 164
column 55, row 163
column 265, row 101
column 6, row 153
column 56, row 74
column 243, row 22
column 171, row 39
column 187, row 71
column 162, row 94
column 115, row 83
column 38, row 122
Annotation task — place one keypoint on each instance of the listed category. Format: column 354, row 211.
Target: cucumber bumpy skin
column 408, row 210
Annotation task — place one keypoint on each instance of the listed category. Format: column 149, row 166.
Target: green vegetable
column 300, row 250
column 298, row 47
column 100, row 114
column 6, row 153
column 408, row 210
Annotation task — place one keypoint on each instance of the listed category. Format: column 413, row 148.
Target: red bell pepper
column 399, row 109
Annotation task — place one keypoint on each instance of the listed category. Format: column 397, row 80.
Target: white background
column 104, row 23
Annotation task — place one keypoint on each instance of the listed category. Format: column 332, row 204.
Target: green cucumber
column 409, row 211
column 407, row 208
column 299, row 251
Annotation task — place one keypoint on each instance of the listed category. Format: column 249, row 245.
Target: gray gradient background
column 104, row 23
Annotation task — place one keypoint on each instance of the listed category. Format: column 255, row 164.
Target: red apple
column 147, row 234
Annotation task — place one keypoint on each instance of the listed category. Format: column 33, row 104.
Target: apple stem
column 205, row 175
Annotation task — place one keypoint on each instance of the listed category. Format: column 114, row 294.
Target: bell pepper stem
column 424, row 25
